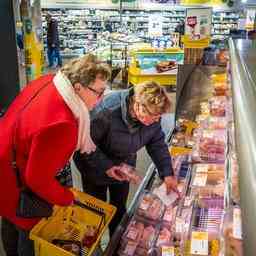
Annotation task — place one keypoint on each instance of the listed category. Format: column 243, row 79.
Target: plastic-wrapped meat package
column 176, row 164
column 211, row 147
column 130, row 173
column 212, row 202
column 169, row 216
column 150, row 207
column 164, row 237
column 134, row 231
column 208, row 191
column 182, row 224
column 148, row 237
column 138, row 238
column 232, row 231
column 167, row 198
column 128, row 248
column 218, row 106
column 179, row 139
column 201, row 179
column 220, row 89
column 235, row 179
column 214, row 123
column 205, row 108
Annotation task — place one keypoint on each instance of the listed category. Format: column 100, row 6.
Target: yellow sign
column 203, row 2
column 200, row 43
column 177, row 151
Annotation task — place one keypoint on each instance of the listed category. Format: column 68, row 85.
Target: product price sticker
column 179, row 225
column 203, row 168
column 199, row 243
column 200, row 180
column 188, row 201
column 237, row 224
column 167, row 251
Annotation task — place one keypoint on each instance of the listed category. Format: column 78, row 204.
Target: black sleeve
column 55, row 32
column 159, row 153
column 96, row 161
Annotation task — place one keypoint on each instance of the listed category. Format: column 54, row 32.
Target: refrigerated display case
column 214, row 210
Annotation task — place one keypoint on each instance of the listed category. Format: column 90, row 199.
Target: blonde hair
column 84, row 70
column 153, row 97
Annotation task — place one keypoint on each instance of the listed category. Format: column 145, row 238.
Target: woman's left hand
column 171, row 184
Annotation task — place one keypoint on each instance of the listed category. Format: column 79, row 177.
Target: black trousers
column 118, row 197
column 16, row 241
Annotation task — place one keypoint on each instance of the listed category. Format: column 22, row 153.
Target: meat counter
column 194, row 87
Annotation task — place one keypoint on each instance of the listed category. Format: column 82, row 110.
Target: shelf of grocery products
column 224, row 21
column 78, row 26
column 206, row 218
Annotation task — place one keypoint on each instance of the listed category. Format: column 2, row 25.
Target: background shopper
column 46, row 123
column 121, row 125
column 53, row 43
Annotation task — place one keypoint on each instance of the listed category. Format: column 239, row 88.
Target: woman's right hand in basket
column 114, row 172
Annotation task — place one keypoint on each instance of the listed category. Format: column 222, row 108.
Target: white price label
column 199, row 243
column 202, row 168
column 188, row 201
column 167, row 251
column 237, row 224
column 132, row 234
column 200, row 179
column 179, row 225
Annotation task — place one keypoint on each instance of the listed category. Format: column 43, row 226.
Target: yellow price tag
column 199, row 243
column 167, row 251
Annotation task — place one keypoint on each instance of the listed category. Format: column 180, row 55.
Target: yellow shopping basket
column 70, row 223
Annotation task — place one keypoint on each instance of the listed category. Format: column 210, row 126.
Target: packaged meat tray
column 164, row 237
column 214, row 123
column 235, row 192
column 138, row 239
column 208, row 191
column 211, row 146
column 150, row 208
column 232, row 231
column 220, row 89
column 179, row 139
column 202, row 179
column 169, row 216
column 218, row 106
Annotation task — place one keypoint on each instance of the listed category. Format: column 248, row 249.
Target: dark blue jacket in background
column 118, row 138
column 52, row 33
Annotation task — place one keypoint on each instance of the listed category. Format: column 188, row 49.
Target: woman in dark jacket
column 122, row 124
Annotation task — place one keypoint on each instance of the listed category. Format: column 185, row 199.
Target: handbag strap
column 20, row 184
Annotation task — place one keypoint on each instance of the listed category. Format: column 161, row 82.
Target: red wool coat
column 46, row 138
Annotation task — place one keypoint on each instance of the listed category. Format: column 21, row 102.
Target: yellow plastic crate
column 74, row 219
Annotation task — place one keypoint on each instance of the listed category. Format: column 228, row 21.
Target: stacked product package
column 205, row 219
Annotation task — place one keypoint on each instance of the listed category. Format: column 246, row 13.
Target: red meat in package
column 150, row 207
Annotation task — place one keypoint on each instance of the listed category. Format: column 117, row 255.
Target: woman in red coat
column 46, row 124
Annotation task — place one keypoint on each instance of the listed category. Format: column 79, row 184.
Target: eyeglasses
column 99, row 94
